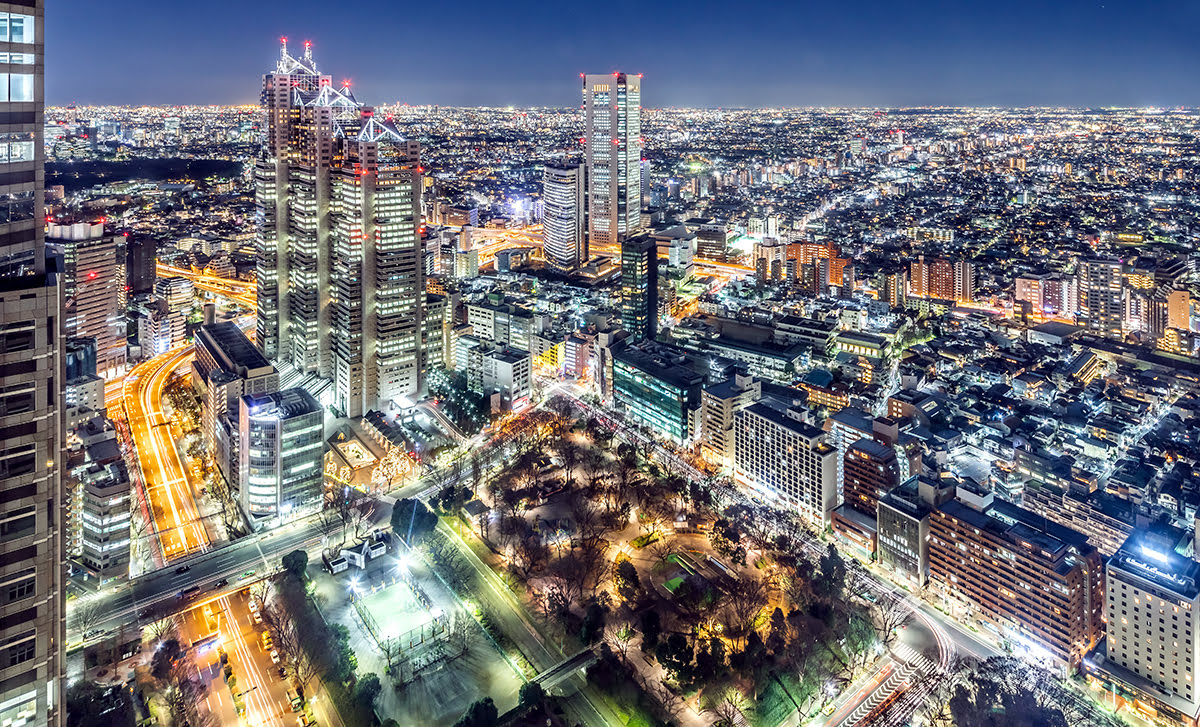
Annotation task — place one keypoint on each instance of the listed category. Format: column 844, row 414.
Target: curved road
column 173, row 508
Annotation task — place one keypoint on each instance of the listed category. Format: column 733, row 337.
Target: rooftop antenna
column 283, row 47
column 308, row 50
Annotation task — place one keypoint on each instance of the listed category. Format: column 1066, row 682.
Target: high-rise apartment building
column 639, row 287
column 92, row 290
column 1050, row 295
column 32, row 603
column 871, row 470
column 721, row 402
column 563, row 228
column 340, row 273
column 1101, row 301
column 782, row 458
column 282, row 445
column 612, row 107
column 942, row 279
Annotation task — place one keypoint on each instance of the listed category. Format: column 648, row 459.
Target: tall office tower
column 140, row 265
column 563, row 229
column 1100, row 295
column 31, row 375
column 639, row 287
column 340, row 273
column 282, row 446
column 612, row 105
column 92, row 291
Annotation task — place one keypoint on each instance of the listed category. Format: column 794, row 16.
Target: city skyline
column 872, row 55
column 331, row 409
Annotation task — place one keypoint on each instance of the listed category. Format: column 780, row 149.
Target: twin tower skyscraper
column 341, row 289
column 600, row 201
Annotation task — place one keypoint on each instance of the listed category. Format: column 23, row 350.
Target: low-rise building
column 1037, row 584
column 657, row 387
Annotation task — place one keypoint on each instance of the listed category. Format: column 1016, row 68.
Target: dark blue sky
column 696, row 53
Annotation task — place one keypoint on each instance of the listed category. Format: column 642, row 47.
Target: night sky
column 698, row 53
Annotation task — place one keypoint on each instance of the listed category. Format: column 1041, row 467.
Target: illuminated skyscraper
column 639, row 287
column 340, row 274
column 31, row 375
column 565, row 245
column 612, row 105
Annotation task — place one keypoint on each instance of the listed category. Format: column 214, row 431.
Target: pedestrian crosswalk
column 911, row 666
column 910, row 656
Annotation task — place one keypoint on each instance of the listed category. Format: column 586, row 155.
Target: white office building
column 282, row 444
column 565, row 241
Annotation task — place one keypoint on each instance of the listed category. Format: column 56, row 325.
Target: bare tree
column 571, row 456
column 725, row 703
column 297, row 660
column 530, row 555
column 227, row 506
column 361, row 518
column 590, row 527
column 662, row 549
column 85, row 614
column 888, row 615
column 261, row 593
column 461, row 629
column 618, row 638
column 476, row 465
column 746, row 600
column 162, row 628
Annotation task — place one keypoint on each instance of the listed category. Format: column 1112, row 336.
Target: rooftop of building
column 1054, row 328
column 782, row 419
column 232, row 344
column 873, row 448
column 1150, row 554
column 1023, row 528
column 664, row 363
column 281, row 404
